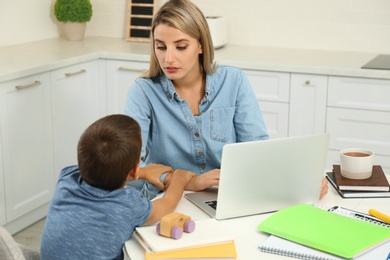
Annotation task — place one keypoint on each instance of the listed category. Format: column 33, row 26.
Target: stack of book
column 209, row 240
column 377, row 186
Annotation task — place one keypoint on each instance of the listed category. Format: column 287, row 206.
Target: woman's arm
column 324, row 188
column 138, row 107
column 198, row 182
column 248, row 120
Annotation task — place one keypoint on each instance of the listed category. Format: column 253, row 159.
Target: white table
column 247, row 238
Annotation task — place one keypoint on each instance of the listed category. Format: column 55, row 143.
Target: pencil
column 379, row 215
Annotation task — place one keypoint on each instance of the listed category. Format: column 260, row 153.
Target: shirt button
column 200, row 154
column 197, row 134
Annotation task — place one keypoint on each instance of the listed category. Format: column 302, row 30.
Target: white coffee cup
column 356, row 163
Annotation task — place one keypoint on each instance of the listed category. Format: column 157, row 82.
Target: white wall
column 26, row 21
column 354, row 25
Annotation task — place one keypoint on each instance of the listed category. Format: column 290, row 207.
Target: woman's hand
column 152, row 173
column 204, row 180
column 324, row 187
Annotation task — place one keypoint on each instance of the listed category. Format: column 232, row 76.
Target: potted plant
column 74, row 14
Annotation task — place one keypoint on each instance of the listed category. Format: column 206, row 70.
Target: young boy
column 92, row 214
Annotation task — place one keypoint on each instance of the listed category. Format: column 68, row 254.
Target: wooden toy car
column 172, row 225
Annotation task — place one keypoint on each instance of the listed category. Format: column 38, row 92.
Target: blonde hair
column 188, row 18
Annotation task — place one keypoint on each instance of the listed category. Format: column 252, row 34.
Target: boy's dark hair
column 108, row 150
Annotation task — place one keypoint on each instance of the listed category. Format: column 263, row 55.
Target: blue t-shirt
column 173, row 136
column 86, row 222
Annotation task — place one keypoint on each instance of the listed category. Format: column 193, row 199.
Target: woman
column 189, row 107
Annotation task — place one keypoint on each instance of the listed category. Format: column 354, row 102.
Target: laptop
column 266, row 176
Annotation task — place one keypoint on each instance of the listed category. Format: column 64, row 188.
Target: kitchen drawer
column 372, row 94
column 359, row 128
column 270, row 86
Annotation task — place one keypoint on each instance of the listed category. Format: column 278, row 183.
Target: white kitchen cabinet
column 3, row 218
column 276, row 118
column 27, row 149
column 358, row 115
column 307, row 108
column 78, row 99
column 359, row 93
column 360, row 129
column 42, row 121
column 120, row 76
column 272, row 92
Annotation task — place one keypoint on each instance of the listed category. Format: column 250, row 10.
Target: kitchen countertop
column 35, row 57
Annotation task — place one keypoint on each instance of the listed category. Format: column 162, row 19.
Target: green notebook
column 326, row 231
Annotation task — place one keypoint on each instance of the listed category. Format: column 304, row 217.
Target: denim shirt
column 173, row 136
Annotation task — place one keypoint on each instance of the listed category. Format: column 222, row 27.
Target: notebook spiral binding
column 288, row 253
column 358, row 215
column 374, row 221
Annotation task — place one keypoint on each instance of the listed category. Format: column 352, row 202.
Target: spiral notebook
column 280, row 246
column 330, row 232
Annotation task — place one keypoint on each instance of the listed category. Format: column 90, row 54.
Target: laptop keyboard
column 212, row 203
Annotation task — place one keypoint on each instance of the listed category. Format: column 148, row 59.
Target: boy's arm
column 168, row 202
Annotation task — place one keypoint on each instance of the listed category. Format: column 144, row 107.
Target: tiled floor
column 31, row 236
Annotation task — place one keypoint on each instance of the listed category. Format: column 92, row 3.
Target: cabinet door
column 2, row 188
column 275, row 117
column 272, row 92
column 358, row 115
column 307, row 104
column 362, row 129
column 27, row 144
column 78, row 99
column 120, row 76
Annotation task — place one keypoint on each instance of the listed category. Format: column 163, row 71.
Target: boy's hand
column 152, row 173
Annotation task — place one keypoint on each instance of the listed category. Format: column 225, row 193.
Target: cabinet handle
column 35, row 83
column 75, row 73
column 307, row 82
column 130, row 69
